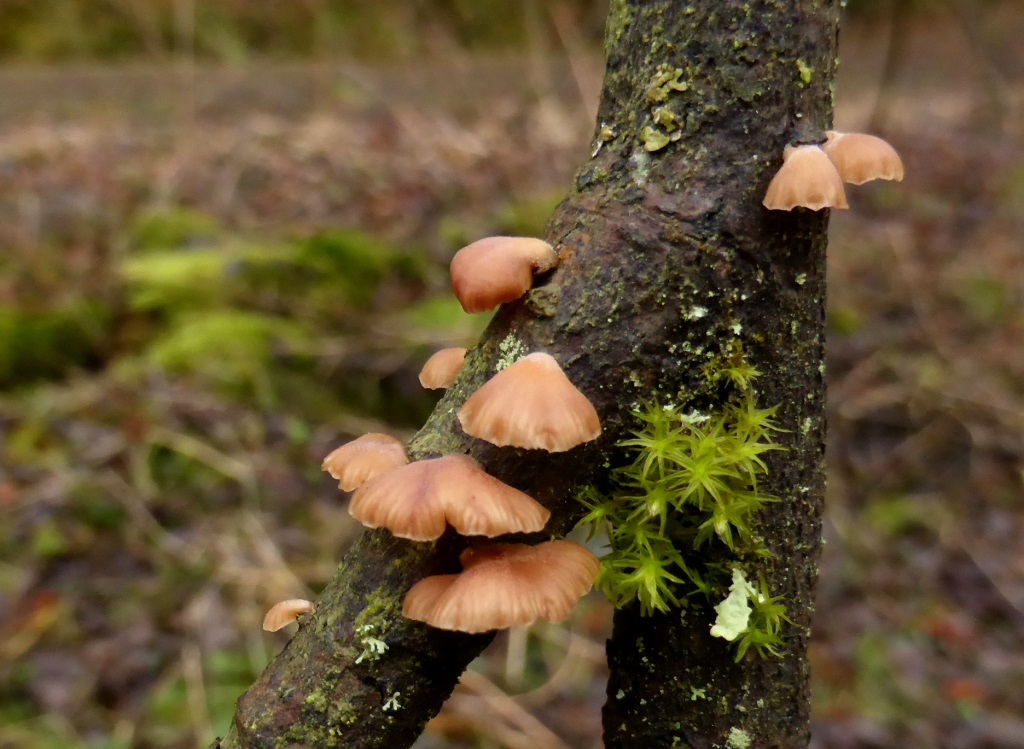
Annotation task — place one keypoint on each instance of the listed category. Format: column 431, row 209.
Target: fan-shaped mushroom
column 440, row 369
column 505, row 585
column 284, row 613
column 860, row 158
column 363, row 458
column 417, row 500
column 496, row 270
column 806, row 179
column 531, row 404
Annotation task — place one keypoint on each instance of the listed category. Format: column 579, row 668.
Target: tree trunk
column 668, row 263
column 759, row 76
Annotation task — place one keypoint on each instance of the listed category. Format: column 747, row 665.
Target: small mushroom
column 860, row 158
column 496, row 270
column 505, row 585
column 531, row 404
column 284, row 613
column 806, row 179
column 440, row 369
column 417, row 500
column 363, row 458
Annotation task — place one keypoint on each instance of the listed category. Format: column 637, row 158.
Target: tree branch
column 668, row 261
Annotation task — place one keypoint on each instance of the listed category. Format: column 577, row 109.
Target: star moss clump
column 681, row 513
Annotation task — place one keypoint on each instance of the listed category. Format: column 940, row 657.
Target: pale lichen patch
column 734, row 611
column 373, row 647
column 512, row 350
column 738, row 739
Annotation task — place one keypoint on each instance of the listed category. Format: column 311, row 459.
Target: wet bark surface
column 668, row 262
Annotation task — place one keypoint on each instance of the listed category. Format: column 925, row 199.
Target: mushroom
column 363, row 458
column 860, row 158
column 505, row 585
column 496, row 270
column 284, row 613
column 440, row 369
column 531, row 404
column 806, row 179
column 417, row 500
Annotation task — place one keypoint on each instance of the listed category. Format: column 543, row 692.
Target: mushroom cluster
column 530, row 404
column 812, row 176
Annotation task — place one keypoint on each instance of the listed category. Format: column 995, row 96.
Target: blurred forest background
column 224, row 232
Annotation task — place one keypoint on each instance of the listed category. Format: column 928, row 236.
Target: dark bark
column 667, row 261
column 758, row 76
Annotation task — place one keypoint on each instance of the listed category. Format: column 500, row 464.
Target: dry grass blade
column 494, row 712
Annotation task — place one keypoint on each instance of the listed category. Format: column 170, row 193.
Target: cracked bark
column 667, row 261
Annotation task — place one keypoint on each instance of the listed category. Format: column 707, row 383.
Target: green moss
column 692, row 483
column 172, row 229
column 322, row 270
column 431, row 442
column 441, row 316
column 353, row 263
column 331, row 711
column 170, row 279
column 47, row 343
column 230, row 348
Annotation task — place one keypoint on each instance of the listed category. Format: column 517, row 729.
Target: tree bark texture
column 758, row 75
column 667, row 261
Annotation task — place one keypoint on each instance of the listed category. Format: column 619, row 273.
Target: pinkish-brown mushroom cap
column 806, row 179
column 364, row 458
column 860, row 158
column 496, row 270
column 416, row 501
column 531, row 404
column 505, row 585
column 440, row 369
column 284, row 613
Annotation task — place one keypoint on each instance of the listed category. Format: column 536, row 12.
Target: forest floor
column 210, row 278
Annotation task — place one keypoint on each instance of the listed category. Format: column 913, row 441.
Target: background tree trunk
column 667, row 261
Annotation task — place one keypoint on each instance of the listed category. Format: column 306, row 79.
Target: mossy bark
column 669, row 265
column 755, row 76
